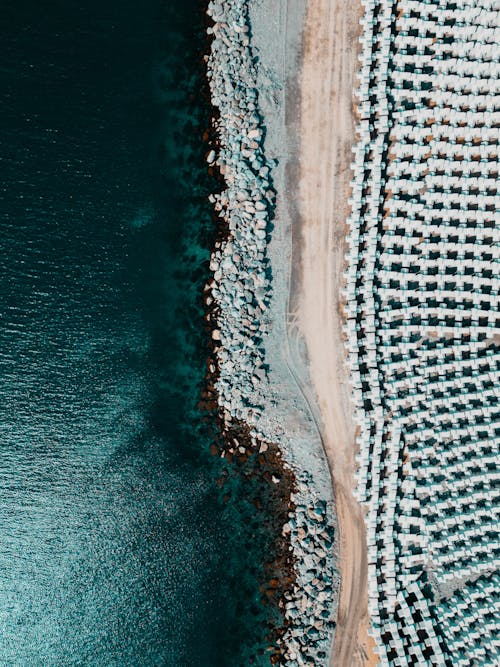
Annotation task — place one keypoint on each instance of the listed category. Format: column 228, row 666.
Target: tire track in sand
column 327, row 126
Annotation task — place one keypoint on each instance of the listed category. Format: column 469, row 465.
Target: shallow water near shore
column 118, row 547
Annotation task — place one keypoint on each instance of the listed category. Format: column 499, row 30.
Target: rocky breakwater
column 240, row 286
column 311, row 606
column 239, row 297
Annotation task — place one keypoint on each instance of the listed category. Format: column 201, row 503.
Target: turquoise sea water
column 116, row 546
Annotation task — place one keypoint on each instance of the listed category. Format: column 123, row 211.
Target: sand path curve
column 327, row 129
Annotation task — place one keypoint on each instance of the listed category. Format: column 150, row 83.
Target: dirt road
column 327, row 125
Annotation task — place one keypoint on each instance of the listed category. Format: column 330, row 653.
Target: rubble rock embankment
column 239, row 296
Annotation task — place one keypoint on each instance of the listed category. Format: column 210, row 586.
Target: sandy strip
column 327, row 135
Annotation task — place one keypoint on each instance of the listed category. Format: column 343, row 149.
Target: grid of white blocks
column 423, row 328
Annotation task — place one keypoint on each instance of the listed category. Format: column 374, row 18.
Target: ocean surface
column 117, row 544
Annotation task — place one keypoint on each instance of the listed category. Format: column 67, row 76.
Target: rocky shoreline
column 239, row 302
